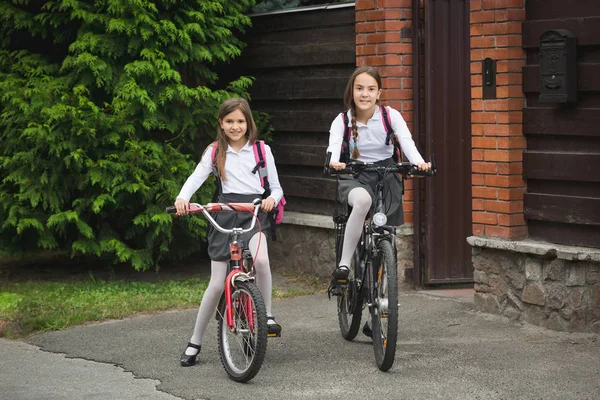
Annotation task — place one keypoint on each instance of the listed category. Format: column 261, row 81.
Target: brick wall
column 379, row 44
column 497, row 131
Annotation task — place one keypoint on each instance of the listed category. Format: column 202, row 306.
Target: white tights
column 218, row 273
column 360, row 201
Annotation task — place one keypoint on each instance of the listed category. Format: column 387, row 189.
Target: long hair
column 228, row 107
column 349, row 99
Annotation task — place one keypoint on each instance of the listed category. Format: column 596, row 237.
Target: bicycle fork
column 367, row 257
column 371, row 296
column 237, row 273
column 377, row 305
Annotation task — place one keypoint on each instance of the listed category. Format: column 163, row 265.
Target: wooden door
column 444, row 221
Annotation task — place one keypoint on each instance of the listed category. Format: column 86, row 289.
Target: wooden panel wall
column 562, row 161
column 301, row 61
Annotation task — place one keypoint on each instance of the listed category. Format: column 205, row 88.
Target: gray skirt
column 218, row 243
column 392, row 191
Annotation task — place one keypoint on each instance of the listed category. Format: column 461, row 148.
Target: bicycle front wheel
column 385, row 310
column 350, row 302
column 243, row 347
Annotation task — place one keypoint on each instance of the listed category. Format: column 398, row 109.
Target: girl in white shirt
column 367, row 144
column 235, row 162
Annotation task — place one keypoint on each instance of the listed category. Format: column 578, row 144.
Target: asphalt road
column 445, row 351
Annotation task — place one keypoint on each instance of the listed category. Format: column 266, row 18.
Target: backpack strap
column 345, row 153
column 261, row 166
column 387, row 124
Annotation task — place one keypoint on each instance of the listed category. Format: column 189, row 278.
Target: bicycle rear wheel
column 385, row 312
column 243, row 349
column 350, row 302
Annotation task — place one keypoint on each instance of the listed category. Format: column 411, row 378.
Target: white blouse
column 371, row 138
column 238, row 170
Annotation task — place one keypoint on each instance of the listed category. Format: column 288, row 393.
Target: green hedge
column 104, row 106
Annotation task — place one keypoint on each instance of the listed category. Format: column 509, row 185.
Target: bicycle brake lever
column 433, row 167
column 326, row 166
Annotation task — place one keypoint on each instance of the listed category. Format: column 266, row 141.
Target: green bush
column 104, row 106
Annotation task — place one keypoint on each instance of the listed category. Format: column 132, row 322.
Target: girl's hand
column 182, row 206
column 424, row 166
column 337, row 165
column 267, row 204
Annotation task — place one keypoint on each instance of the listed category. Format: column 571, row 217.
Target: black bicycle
column 373, row 272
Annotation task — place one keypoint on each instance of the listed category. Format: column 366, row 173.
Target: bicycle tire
column 243, row 351
column 350, row 302
column 385, row 313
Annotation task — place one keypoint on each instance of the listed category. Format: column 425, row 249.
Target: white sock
column 360, row 201
column 190, row 351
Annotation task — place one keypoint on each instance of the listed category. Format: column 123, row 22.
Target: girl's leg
column 360, row 201
column 260, row 253
column 218, row 273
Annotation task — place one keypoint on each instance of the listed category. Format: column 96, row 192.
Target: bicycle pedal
column 273, row 330
column 334, row 290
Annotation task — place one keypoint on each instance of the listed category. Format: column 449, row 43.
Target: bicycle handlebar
column 220, row 207
column 404, row 168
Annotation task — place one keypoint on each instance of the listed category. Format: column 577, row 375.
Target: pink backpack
column 261, row 168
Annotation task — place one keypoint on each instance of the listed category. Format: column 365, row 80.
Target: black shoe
column 367, row 330
column 273, row 330
column 341, row 273
column 339, row 278
column 188, row 361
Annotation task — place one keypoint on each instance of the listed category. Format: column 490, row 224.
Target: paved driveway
column 445, row 351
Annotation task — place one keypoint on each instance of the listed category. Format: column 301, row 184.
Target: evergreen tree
column 103, row 107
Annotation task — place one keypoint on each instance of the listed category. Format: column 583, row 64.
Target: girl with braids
column 234, row 164
column 367, row 144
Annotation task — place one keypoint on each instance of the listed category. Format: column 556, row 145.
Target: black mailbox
column 558, row 67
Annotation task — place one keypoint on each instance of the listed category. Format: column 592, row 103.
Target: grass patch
column 36, row 306
column 300, row 284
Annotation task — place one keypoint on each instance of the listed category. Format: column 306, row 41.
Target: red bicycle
column 241, row 313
